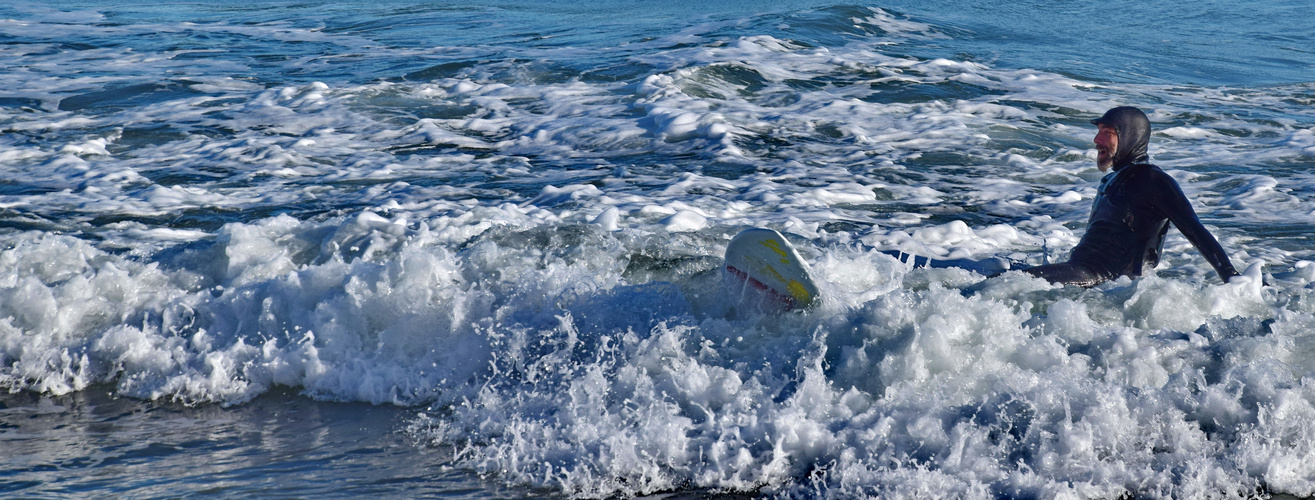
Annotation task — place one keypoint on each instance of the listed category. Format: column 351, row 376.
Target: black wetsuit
column 1131, row 214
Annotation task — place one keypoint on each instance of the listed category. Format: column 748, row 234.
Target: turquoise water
column 472, row 250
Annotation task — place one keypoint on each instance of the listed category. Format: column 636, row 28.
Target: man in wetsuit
column 1132, row 211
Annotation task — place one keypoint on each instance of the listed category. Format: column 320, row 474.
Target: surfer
column 1132, row 211
column 1130, row 216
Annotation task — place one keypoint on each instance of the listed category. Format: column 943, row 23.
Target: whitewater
column 474, row 250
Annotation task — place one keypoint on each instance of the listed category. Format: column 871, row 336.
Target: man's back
column 1127, row 225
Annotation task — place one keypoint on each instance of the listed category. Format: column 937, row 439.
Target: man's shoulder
column 1145, row 181
column 1149, row 171
column 1143, row 167
column 1151, row 182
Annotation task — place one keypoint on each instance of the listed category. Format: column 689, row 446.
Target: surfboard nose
column 765, row 260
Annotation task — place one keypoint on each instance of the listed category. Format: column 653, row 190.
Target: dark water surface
column 94, row 444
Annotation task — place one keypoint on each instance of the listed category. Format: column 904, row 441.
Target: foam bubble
column 685, row 221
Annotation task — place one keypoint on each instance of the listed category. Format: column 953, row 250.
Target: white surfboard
column 764, row 260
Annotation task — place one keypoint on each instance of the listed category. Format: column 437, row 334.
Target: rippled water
column 90, row 443
column 472, row 250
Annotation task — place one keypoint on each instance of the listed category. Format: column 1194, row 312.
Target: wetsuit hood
column 1134, row 131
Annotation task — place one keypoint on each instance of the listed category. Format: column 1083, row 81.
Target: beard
column 1104, row 158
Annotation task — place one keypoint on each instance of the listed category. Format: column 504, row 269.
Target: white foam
column 685, row 221
column 553, row 195
column 1187, row 132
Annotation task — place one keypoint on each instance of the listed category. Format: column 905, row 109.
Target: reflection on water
column 279, row 444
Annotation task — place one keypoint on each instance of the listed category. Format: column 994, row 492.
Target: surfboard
column 763, row 260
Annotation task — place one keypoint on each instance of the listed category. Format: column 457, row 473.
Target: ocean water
column 472, row 250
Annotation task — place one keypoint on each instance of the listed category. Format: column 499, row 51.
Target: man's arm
column 1179, row 212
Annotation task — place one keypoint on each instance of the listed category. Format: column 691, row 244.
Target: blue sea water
column 472, row 250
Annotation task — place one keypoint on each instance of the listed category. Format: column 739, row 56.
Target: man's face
column 1107, row 143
